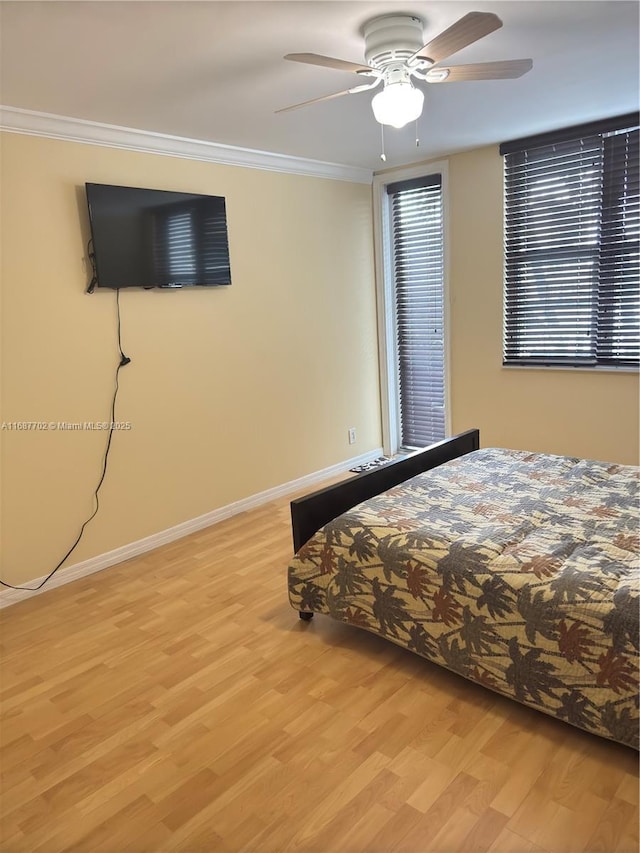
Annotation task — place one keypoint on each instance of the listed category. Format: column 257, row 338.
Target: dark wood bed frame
column 311, row 512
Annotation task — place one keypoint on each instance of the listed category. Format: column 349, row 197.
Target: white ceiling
column 214, row 71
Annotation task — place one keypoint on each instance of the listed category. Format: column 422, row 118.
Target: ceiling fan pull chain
column 383, row 156
column 417, row 137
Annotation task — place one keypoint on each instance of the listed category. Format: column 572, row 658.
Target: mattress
column 517, row 570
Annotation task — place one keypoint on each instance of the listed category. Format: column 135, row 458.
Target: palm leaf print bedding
column 517, row 570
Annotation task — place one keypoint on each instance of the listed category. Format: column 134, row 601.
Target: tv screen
column 154, row 238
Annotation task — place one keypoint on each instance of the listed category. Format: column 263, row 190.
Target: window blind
column 181, row 256
column 417, row 256
column 189, row 241
column 572, row 226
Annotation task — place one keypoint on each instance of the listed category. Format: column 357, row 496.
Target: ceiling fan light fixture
column 398, row 104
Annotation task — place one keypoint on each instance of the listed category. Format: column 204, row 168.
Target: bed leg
column 305, row 616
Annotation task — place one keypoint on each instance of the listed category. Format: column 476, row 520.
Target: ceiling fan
column 395, row 56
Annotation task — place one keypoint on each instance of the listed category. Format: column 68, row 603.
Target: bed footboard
column 311, row 512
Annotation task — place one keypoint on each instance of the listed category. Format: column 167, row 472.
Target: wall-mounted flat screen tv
column 155, row 238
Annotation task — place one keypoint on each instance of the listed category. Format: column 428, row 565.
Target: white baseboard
column 141, row 546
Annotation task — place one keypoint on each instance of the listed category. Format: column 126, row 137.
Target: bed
column 519, row 571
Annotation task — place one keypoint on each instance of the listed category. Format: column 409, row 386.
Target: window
column 413, row 241
column 572, row 228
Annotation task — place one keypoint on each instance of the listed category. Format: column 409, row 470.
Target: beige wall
column 237, row 390
column 230, row 391
column 583, row 413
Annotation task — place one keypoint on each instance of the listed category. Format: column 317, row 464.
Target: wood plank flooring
column 176, row 703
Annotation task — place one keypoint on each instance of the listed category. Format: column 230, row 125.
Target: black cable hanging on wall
column 124, row 360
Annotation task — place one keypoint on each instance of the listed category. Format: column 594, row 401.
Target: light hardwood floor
column 176, row 703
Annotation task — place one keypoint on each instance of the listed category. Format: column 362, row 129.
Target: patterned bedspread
column 517, row 570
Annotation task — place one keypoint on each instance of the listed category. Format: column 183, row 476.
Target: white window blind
column 180, row 248
column 417, row 257
column 189, row 242
column 572, row 226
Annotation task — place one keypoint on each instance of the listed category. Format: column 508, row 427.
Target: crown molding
column 32, row 123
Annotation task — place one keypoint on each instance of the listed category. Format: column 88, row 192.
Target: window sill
column 600, row 368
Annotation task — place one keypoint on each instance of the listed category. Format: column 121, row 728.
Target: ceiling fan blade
column 472, row 27
column 509, row 69
column 317, row 100
column 328, row 62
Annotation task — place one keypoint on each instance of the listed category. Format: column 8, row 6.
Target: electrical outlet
column 352, row 435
